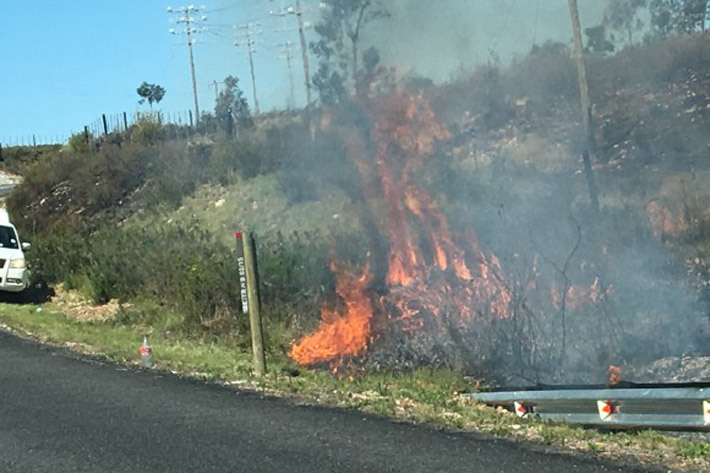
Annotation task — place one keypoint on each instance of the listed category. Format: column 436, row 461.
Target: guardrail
column 627, row 406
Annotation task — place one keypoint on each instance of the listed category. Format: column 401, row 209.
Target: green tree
column 151, row 93
column 340, row 30
column 623, row 16
column 598, row 40
column 232, row 107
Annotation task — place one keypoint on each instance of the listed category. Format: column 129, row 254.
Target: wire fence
column 104, row 125
column 33, row 140
column 122, row 122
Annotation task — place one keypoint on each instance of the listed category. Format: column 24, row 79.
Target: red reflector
column 607, row 409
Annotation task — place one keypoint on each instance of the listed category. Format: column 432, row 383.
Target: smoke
column 436, row 39
column 504, row 184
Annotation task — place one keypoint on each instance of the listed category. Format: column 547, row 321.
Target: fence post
column 103, row 117
column 253, row 304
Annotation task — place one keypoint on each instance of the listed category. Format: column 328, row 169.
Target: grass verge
column 425, row 396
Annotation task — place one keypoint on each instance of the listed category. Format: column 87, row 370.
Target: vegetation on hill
column 148, row 217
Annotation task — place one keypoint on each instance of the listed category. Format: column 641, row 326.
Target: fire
column 341, row 335
column 579, row 296
column 614, row 375
column 663, row 222
column 427, row 292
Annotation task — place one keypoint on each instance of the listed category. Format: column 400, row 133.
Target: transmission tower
column 286, row 51
column 247, row 34
column 193, row 19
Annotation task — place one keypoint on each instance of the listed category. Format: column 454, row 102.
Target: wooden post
column 103, row 117
column 254, row 305
column 590, row 153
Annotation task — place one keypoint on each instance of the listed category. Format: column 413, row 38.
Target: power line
column 298, row 11
column 216, row 89
column 286, row 53
column 247, row 37
column 187, row 16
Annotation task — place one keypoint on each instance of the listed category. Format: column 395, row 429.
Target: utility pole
column 216, row 90
column 187, row 16
column 590, row 152
column 249, row 33
column 287, row 54
column 304, row 52
column 302, row 26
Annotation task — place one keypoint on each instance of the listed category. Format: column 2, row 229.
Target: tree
column 232, row 107
column 679, row 16
column 663, row 14
column 598, row 41
column 693, row 16
column 623, row 16
column 150, row 93
column 338, row 49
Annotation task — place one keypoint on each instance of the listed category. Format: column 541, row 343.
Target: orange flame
column 340, row 335
column 663, row 222
column 406, row 131
column 614, row 375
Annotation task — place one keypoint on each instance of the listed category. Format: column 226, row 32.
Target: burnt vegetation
column 438, row 224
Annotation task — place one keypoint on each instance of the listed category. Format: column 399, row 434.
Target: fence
column 104, row 125
column 34, row 140
column 122, row 122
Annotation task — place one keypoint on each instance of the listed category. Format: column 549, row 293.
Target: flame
column 614, row 375
column 404, row 261
column 579, row 296
column 425, row 294
column 340, row 335
column 663, row 222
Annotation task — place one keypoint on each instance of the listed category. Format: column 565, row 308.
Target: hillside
column 453, row 221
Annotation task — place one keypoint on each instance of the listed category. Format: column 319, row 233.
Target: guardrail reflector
column 607, row 410
column 706, row 412
column 521, row 410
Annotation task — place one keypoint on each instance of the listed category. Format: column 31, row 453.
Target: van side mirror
column 26, row 246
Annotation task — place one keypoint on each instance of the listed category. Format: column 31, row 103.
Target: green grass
column 424, row 396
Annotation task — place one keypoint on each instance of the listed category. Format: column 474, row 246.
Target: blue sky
column 65, row 63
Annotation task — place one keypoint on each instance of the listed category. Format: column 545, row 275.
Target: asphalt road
column 62, row 414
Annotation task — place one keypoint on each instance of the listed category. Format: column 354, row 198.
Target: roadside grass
column 434, row 397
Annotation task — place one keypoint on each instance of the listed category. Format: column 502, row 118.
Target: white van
column 14, row 276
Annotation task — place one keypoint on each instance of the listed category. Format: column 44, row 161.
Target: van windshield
column 8, row 238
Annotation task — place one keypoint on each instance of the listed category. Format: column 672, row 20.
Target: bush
column 185, row 270
column 79, row 143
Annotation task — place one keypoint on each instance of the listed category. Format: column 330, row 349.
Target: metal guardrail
column 629, row 406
